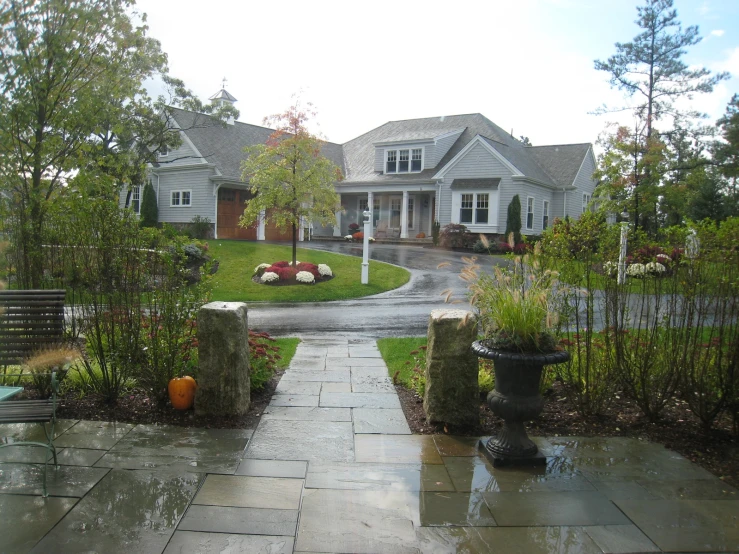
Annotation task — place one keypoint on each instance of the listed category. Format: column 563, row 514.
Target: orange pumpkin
column 182, row 392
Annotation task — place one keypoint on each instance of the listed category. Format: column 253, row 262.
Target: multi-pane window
column 136, row 199
column 529, row 213
column 481, row 214
column 392, row 161
column 163, row 151
column 416, row 159
column 585, row 202
column 375, row 210
column 474, row 208
column 465, row 208
column 404, row 161
column 180, row 198
column 545, row 215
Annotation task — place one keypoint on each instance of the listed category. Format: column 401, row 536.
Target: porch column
column 261, row 225
column 337, row 227
column 404, row 216
column 371, row 208
column 301, row 229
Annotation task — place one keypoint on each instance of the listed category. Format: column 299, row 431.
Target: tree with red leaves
column 292, row 182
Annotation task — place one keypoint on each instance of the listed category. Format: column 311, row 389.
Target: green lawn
column 287, row 348
column 396, row 352
column 238, row 259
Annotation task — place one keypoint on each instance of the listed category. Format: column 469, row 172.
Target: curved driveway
column 401, row 312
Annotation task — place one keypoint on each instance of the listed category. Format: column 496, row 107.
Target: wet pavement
column 332, row 467
column 402, row 312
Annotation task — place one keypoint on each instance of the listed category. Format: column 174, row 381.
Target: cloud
column 717, row 33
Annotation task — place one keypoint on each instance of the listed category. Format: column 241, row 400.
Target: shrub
column 200, row 227
column 435, row 230
column 485, row 376
column 353, row 227
column 149, row 212
column 287, row 274
column 263, row 357
column 358, row 236
column 305, row 277
column 513, row 220
column 455, row 235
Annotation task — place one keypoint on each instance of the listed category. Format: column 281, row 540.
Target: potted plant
column 515, row 314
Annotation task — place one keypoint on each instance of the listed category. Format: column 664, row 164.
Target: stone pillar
column 223, row 358
column 404, row 216
column 452, row 393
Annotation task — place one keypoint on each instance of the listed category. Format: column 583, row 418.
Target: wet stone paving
column 333, row 467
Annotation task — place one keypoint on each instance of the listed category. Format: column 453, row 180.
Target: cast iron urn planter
column 515, row 399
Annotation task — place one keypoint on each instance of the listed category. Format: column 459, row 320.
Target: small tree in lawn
column 149, row 210
column 289, row 178
column 513, row 222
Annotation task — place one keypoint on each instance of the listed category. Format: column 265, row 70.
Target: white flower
column 296, row 262
column 636, row 270
column 261, row 267
column 654, row 268
column 305, row 277
column 610, row 268
column 324, row 270
column 270, row 277
column 371, row 239
column 349, row 237
column 663, row 258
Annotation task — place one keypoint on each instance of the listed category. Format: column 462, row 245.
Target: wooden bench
column 29, row 321
column 34, row 411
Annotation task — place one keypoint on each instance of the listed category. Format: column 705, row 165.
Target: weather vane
column 223, row 84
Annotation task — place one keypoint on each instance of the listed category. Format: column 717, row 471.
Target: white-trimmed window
column 405, row 160
column 136, row 200
column 545, row 215
column 180, row 198
column 163, row 151
column 474, row 208
column 530, row 212
column 585, row 202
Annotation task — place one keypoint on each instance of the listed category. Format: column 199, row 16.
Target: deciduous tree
column 290, row 179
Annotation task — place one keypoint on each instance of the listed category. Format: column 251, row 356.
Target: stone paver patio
column 332, row 467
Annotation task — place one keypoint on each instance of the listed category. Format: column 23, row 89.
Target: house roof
column 223, row 145
column 223, row 94
column 561, row 161
column 542, row 163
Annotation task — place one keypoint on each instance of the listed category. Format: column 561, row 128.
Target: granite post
column 452, row 392
column 223, row 358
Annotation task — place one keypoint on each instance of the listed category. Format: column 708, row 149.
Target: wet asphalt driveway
column 402, row 312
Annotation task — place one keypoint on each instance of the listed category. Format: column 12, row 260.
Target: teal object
column 9, row 392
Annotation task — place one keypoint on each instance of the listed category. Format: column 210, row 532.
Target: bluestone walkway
column 332, row 467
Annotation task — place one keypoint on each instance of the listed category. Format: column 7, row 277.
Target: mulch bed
column 137, row 406
column 715, row 450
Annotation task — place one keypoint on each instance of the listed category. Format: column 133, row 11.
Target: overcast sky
column 525, row 64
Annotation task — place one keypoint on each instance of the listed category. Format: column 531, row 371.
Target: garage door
column 271, row 232
column 230, row 209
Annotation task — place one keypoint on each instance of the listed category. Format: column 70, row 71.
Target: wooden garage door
column 230, row 208
column 271, row 232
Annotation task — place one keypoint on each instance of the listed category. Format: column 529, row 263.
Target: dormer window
column 163, row 151
column 407, row 160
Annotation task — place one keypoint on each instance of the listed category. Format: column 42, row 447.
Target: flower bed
column 283, row 273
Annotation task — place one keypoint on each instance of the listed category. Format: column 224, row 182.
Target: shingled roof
column 223, row 145
column 552, row 165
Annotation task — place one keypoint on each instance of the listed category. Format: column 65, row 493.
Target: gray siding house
column 454, row 169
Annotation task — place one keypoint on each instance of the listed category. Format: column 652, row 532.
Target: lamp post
column 622, row 252
column 365, row 247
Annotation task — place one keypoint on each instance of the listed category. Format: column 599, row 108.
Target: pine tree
column 149, row 211
column 513, row 222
